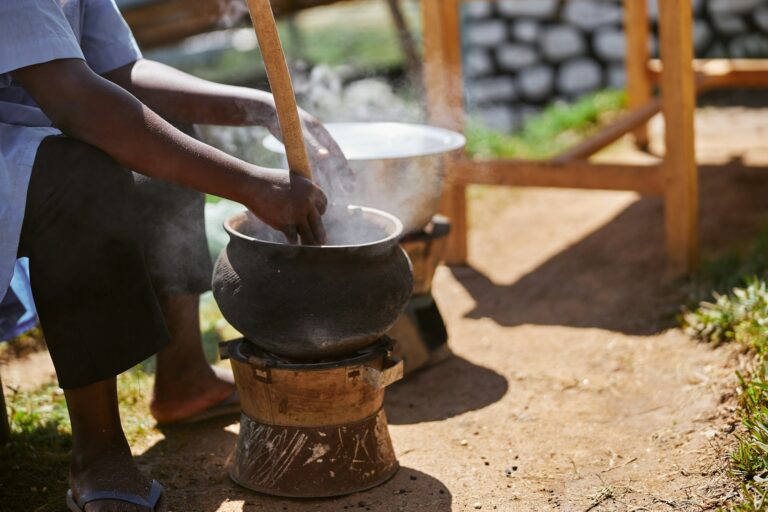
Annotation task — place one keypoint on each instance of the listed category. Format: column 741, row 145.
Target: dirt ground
column 570, row 388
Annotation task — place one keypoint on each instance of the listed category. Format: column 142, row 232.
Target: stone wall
column 521, row 55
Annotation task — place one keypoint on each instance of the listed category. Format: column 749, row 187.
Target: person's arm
column 90, row 108
column 185, row 98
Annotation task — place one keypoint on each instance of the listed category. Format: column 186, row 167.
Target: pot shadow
column 616, row 277
column 453, row 387
column 193, row 463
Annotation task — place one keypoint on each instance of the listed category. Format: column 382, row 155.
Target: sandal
column 155, row 493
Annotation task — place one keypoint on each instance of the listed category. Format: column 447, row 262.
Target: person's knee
column 99, row 192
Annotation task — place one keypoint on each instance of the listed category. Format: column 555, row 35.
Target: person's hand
column 329, row 165
column 290, row 204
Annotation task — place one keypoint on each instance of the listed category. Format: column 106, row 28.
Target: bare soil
column 571, row 389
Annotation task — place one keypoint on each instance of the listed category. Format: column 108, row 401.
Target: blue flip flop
column 150, row 502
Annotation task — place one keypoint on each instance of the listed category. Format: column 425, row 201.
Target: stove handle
column 391, row 372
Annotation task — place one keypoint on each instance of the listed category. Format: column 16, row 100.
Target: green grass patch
column 558, row 127
column 741, row 316
column 370, row 48
column 34, row 465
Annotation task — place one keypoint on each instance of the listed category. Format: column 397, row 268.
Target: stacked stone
column 521, row 55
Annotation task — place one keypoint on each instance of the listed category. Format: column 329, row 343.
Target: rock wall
column 520, row 55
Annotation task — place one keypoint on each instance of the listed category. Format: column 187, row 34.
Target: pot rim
column 397, row 233
column 452, row 141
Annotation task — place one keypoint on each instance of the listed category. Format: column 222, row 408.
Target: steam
column 231, row 12
column 407, row 188
column 344, row 226
column 324, row 94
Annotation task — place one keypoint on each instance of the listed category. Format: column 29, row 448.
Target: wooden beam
column 611, row 133
column 636, row 30
column 644, row 179
column 678, row 105
column 159, row 23
column 721, row 73
column 444, row 93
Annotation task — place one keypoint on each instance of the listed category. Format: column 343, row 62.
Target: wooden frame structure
column 680, row 79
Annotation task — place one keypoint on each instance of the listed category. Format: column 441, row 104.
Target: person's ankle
column 87, row 454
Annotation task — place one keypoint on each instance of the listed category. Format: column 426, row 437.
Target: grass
column 741, row 316
column 552, row 131
column 35, row 463
column 369, row 48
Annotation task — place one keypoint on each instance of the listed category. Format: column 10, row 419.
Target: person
column 117, row 257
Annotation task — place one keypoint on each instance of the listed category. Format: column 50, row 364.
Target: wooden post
column 445, row 104
column 636, row 31
column 678, row 105
column 405, row 38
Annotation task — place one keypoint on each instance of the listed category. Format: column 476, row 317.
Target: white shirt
column 33, row 32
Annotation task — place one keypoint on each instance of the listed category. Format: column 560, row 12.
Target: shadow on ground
column 451, row 388
column 33, row 470
column 207, row 448
column 615, row 278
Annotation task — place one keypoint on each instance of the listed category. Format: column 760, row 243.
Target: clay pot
column 310, row 303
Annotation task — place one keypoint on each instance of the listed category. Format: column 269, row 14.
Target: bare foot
column 192, row 391
column 112, row 470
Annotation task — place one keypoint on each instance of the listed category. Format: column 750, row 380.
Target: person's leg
column 101, row 457
column 180, row 266
column 185, row 384
column 95, row 301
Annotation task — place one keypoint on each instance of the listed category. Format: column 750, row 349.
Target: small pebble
column 464, row 442
column 478, row 505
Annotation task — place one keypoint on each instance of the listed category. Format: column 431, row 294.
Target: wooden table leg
column 445, row 104
column 678, row 106
column 637, row 34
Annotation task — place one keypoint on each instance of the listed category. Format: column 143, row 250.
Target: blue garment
column 34, row 32
column 17, row 309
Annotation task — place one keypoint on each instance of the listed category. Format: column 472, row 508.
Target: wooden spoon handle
column 282, row 87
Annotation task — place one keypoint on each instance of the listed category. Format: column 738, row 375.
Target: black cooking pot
column 314, row 302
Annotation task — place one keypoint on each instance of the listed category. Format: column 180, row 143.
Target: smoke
column 407, row 188
column 323, row 93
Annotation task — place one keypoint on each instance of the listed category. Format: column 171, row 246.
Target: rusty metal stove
column 313, row 430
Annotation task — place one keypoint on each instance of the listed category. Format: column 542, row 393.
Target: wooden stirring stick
column 281, row 85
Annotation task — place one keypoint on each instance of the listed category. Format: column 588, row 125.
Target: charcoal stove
column 314, row 363
column 313, row 430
